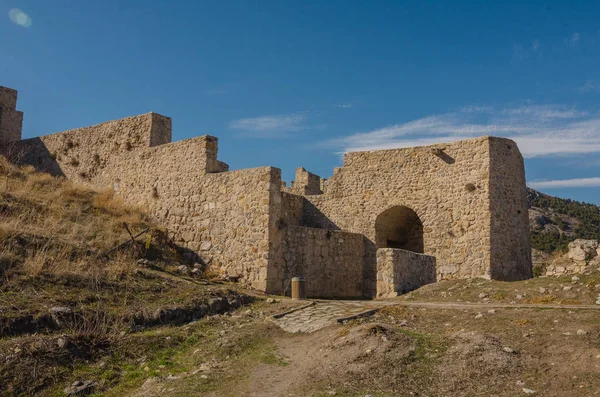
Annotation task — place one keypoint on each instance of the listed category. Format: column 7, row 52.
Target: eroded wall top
column 11, row 120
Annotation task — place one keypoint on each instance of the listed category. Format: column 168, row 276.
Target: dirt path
column 324, row 313
column 460, row 305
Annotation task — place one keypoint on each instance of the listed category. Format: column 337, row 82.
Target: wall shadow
column 32, row 152
column 313, row 217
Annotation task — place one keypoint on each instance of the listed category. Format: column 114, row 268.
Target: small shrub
column 470, row 187
column 154, row 192
column 70, row 144
column 128, row 145
column 74, row 162
column 96, row 158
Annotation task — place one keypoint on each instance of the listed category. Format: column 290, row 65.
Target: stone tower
column 11, row 120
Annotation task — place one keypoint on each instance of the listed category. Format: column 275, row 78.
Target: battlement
column 306, row 183
column 11, row 120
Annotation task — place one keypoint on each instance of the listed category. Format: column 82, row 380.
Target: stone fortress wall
column 462, row 203
column 11, row 119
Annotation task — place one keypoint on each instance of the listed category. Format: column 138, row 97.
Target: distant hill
column 555, row 222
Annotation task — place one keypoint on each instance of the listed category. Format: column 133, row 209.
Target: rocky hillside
column 555, row 222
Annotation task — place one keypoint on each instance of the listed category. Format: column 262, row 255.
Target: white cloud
column 565, row 183
column 547, row 130
column 344, row 105
column 575, row 38
column 270, row 126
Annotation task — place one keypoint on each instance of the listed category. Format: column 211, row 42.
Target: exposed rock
column 583, row 250
column 61, row 315
column 63, row 342
column 583, row 256
column 271, row 300
column 143, row 262
column 80, row 388
column 60, row 310
column 183, row 269
column 218, row 305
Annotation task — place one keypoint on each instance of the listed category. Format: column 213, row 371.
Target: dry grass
column 52, row 225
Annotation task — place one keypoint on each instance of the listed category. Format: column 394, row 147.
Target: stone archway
column 399, row 227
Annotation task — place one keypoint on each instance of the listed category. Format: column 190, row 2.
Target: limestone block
column 583, row 250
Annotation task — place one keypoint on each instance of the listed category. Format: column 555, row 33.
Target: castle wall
column 510, row 255
column 81, row 154
column 400, row 271
column 447, row 185
column 463, row 203
column 11, row 120
column 224, row 217
column 332, row 261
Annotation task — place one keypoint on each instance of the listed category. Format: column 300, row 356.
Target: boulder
column 583, row 250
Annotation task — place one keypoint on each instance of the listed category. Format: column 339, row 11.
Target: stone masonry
column 11, row 119
column 462, row 203
column 400, row 271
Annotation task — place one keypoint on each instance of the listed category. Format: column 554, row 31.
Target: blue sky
column 291, row 83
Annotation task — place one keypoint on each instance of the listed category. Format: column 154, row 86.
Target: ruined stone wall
column 510, row 255
column 292, row 210
column 225, row 217
column 468, row 199
column 332, row 261
column 11, row 120
column 82, row 153
column 400, row 271
column 447, row 185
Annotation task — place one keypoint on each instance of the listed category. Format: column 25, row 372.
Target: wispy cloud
column 565, row 183
column 344, row 105
column 575, row 38
column 590, row 86
column 270, row 126
column 538, row 130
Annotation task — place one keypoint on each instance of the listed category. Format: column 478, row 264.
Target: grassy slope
column 52, row 232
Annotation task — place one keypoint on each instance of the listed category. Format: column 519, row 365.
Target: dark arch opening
column 399, row 227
